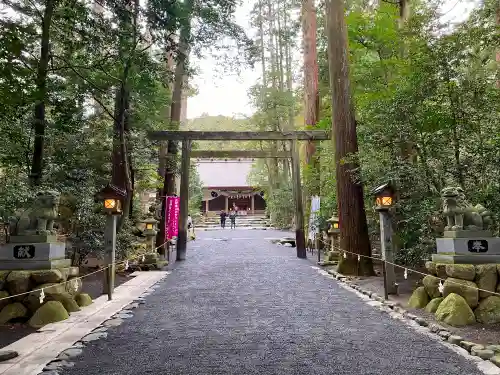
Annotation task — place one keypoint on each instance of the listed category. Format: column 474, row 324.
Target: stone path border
column 41, row 347
column 487, row 365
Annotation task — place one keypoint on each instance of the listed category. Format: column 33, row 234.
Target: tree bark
column 352, row 217
column 39, row 124
column 169, row 185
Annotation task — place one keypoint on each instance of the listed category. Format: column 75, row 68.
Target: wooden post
column 300, row 241
column 206, row 207
column 109, row 251
column 387, row 251
column 252, row 204
column 184, row 200
column 226, row 204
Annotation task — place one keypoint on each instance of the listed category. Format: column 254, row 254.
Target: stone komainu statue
column 460, row 214
column 39, row 218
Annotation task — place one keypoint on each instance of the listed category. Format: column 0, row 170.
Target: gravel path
column 246, row 306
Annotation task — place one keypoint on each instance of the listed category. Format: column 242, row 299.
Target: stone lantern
column 150, row 232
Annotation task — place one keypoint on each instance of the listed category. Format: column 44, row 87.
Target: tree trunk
column 169, row 185
column 353, row 227
column 41, row 96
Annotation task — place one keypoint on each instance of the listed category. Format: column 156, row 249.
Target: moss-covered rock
column 19, row 282
column 431, row 285
column 419, row 299
column 13, row 311
column 52, row 288
column 455, row 311
column 464, row 288
column 441, row 270
column 73, row 272
column 486, row 278
column 3, row 277
column 488, row 310
column 431, row 267
column 83, row 299
column 74, row 286
column 48, row 276
column 50, row 312
column 332, row 256
column 151, row 258
column 461, row 271
column 67, row 301
column 4, row 302
column 433, row 305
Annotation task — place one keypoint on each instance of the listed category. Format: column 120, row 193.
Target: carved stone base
column 465, row 259
column 469, row 245
column 461, row 233
column 34, row 264
column 34, row 238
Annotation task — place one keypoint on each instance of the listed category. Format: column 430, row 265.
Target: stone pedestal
column 23, row 254
column 467, row 247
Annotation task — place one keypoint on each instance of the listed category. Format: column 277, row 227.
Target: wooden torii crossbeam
column 299, row 135
column 240, row 154
column 188, row 136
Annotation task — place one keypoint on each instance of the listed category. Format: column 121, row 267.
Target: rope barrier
column 84, row 276
column 406, row 269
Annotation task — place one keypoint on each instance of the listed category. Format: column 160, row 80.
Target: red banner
column 172, row 217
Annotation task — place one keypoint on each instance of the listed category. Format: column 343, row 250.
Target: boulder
column 12, row 311
column 486, row 278
column 19, row 282
column 488, row 310
column 441, row 270
column 431, row 285
column 32, row 301
column 4, row 302
column 433, row 305
column 67, row 301
column 464, row 288
column 52, row 288
column 151, row 258
column 419, row 299
column 83, row 299
column 431, row 267
column 3, row 278
column 50, row 312
column 48, row 276
column 455, row 311
column 74, row 286
column 461, row 271
column 73, row 272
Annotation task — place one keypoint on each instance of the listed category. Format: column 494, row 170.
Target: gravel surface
column 246, row 306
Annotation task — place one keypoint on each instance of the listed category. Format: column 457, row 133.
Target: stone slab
column 468, row 245
column 467, row 233
column 32, row 251
column 34, row 238
column 29, row 264
column 466, row 259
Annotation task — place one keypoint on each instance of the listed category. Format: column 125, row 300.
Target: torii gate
column 186, row 137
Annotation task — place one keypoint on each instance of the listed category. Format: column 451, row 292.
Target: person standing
column 232, row 217
column 223, row 219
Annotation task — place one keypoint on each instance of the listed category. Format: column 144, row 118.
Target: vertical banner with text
column 172, row 217
column 313, row 218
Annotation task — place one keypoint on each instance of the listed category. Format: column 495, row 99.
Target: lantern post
column 384, row 201
column 111, row 197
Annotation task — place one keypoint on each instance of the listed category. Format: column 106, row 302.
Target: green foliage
column 279, row 208
column 427, row 112
column 99, row 57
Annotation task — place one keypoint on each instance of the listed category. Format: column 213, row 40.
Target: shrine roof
column 224, row 174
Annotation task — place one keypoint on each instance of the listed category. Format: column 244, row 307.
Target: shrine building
column 225, row 186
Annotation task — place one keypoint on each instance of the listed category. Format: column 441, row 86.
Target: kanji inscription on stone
column 24, row 251
column 477, row 246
